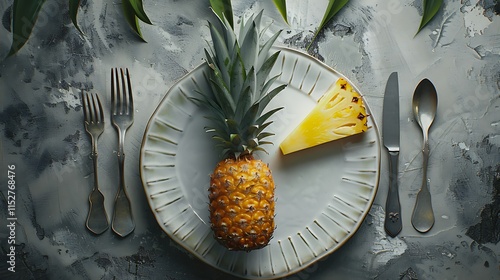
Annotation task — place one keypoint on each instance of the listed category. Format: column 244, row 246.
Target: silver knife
column 390, row 136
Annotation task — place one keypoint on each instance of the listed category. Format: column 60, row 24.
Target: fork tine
column 85, row 104
column 94, row 110
column 119, row 96
column 124, row 103
column 114, row 91
column 98, row 111
column 91, row 109
column 130, row 106
column 101, row 111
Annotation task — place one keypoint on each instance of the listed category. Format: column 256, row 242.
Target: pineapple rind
column 339, row 113
column 241, row 205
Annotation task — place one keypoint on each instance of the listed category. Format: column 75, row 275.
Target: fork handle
column 123, row 222
column 97, row 219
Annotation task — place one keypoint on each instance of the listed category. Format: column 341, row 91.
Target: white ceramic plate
column 323, row 193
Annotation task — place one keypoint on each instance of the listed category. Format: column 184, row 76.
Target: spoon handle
column 423, row 215
column 393, row 223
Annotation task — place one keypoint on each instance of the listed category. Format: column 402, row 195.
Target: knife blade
column 391, row 138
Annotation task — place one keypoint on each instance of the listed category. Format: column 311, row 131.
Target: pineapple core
column 339, row 113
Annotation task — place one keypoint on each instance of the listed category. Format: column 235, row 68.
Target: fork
column 122, row 116
column 97, row 219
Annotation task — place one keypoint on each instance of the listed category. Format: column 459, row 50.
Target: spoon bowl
column 424, row 110
column 425, row 103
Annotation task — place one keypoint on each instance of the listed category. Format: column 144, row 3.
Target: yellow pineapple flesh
column 242, row 203
column 339, row 113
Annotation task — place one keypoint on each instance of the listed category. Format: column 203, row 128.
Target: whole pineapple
column 241, row 191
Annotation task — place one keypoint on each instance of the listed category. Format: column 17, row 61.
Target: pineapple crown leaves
column 240, row 88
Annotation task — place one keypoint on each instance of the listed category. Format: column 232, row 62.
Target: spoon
column 424, row 110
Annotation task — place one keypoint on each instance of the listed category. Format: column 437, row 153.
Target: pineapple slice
column 339, row 113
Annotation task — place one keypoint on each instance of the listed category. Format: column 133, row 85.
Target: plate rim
column 329, row 250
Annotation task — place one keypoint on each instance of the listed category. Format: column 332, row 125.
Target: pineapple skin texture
column 339, row 113
column 241, row 203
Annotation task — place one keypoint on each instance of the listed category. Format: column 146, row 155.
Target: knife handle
column 393, row 223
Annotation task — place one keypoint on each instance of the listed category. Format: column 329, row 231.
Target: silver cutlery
column 97, row 219
column 390, row 134
column 424, row 110
column 122, row 116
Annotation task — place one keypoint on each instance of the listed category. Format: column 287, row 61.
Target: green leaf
column 131, row 18
column 266, row 116
column 269, row 96
column 24, row 16
column 230, row 38
column 264, row 72
column 221, row 49
column 139, row 10
column 249, row 47
column 281, row 6
column 264, row 50
column 223, row 8
column 237, row 76
column 334, row 6
column 244, row 103
column 253, row 22
column 73, row 12
column 431, row 7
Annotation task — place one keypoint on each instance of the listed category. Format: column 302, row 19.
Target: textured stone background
column 42, row 133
